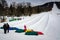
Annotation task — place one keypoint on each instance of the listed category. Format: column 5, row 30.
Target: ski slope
column 47, row 22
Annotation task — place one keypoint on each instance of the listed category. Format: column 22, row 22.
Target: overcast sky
column 33, row 2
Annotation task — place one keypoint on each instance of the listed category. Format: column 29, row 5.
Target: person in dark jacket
column 6, row 28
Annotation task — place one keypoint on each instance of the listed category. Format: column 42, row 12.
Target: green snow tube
column 31, row 33
column 12, row 20
column 19, row 31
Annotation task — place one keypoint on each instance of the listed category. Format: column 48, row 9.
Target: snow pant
column 6, row 30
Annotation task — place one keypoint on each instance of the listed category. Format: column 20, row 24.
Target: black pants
column 6, row 30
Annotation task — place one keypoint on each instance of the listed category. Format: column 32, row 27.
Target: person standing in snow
column 6, row 28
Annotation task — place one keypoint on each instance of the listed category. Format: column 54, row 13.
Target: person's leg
column 4, row 31
column 8, row 30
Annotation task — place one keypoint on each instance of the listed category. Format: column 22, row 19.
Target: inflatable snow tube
column 19, row 31
column 11, row 28
column 13, row 20
column 31, row 33
column 28, row 30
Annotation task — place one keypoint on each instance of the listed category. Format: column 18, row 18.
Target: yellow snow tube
column 28, row 30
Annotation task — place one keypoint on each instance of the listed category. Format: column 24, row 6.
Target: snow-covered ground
column 47, row 22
